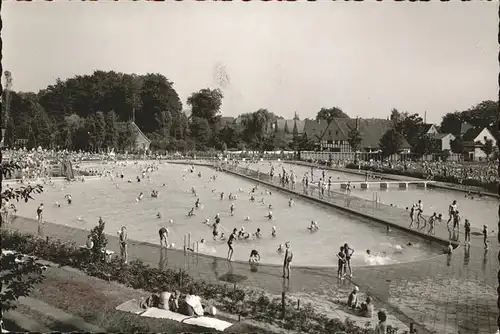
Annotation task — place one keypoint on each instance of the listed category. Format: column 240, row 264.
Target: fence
column 376, row 156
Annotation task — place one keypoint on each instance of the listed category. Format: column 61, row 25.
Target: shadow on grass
column 58, row 326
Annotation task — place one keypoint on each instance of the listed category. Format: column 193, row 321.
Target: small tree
column 19, row 274
column 457, row 145
column 354, row 140
column 391, row 142
column 487, row 147
column 100, row 241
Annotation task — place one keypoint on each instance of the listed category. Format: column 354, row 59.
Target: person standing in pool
column 420, row 211
column 287, row 260
column 341, row 263
column 254, row 256
column 230, row 241
column 467, row 231
column 348, row 254
column 163, row 232
column 451, row 211
column 122, row 237
column 485, row 236
column 231, row 209
column 215, row 228
column 412, row 215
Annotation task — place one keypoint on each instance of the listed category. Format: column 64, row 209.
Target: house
column 142, row 143
column 443, row 140
column 474, row 139
column 335, row 137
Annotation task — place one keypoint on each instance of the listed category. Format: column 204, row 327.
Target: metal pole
column 283, row 312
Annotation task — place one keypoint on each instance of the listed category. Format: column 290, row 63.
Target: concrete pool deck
column 442, row 295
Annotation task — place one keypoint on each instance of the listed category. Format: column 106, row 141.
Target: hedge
column 489, row 186
column 136, row 274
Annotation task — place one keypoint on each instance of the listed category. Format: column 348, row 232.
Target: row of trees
column 90, row 112
column 410, row 127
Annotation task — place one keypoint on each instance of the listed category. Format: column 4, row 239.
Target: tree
column 425, row 145
column 411, row 127
column 397, row 117
column 19, row 274
column 111, row 138
column 451, row 123
column 328, row 114
column 391, row 142
column 100, row 130
column 487, row 147
column 354, row 139
column 206, row 104
column 200, row 132
column 457, row 145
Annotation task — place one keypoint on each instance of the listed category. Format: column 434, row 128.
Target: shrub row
column 138, row 275
column 489, row 186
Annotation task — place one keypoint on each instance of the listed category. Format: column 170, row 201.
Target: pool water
column 115, row 200
column 479, row 211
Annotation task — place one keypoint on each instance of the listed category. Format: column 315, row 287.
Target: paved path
column 442, row 295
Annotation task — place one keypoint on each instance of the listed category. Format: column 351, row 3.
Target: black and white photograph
column 273, row 167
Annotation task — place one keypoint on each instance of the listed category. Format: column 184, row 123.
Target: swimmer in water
column 269, row 215
column 215, row 228
column 314, row 226
column 247, row 218
column 281, row 248
column 221, row 196
column 68, row 198
column 191, row 213
column 231, row 209
column 158, row 215
column 141, row 196
column 273, row 231
column 254, row 256
column 197, row 203
column 270, row 207
column 290, row 202
column 258, row 234
column 252, row 198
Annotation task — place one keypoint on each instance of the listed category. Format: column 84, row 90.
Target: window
column 329, row 141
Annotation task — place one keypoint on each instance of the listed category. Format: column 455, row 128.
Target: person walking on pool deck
column 287, row 260
column 467, row 231
column 163, row 232
column 122, row 236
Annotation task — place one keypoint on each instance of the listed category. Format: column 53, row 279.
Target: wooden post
column 283, row 305
column 189, row 239
column 298, row 304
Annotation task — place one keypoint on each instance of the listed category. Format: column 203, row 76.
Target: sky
column 365, row 58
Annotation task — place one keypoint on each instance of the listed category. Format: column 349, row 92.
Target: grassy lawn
column 95, row 300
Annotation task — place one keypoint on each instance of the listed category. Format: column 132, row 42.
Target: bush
column 138, row 275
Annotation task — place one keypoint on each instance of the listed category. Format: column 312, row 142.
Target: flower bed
column 489, row 186
column 141, row 276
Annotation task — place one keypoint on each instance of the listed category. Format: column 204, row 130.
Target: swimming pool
column 115, row 200
column 478, row 210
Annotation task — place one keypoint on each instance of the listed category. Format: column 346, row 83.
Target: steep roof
column 371, row 130
column 471, row 134
column 300, row 126
column 280, row 125
column 439, row 136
